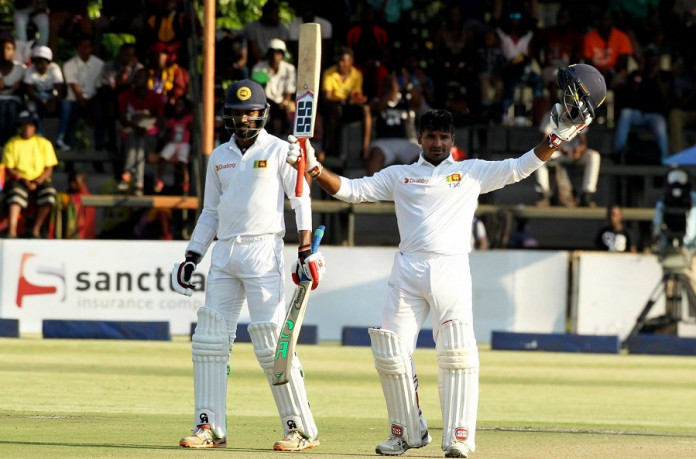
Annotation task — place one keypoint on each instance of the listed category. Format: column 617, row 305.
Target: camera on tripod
column 676, row 205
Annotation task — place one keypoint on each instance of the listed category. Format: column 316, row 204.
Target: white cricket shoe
column 457, row 449
column 395, row 446
column 295, row 441
column 203, row 438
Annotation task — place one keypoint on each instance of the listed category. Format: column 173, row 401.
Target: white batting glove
column 294, row 155
column 565, row 128
column 181, row 276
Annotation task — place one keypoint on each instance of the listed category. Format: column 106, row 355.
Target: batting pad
column 457, row 357
column 211, row 350
column 290, row 398
column 393, row 365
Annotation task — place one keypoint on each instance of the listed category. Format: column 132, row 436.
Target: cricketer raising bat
column 308, row 73
column 285, row 349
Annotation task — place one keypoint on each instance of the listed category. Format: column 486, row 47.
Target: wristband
column 316, row 172
column 302, row 248
column 554, row 140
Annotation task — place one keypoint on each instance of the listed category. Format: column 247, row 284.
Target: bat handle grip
column 301, row 163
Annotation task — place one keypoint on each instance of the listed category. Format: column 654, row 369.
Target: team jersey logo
column 456, row 177
column 421, row 180
column 261, row 164
column 243, row 93
column 219, row 167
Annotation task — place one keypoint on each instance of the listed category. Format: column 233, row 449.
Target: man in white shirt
column 243, row 206
column 45, row 84
column 280, row 87
column 82, row 75
column 435, row 200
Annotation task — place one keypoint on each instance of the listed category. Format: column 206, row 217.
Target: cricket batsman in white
column 435, row 199
column 247, row 180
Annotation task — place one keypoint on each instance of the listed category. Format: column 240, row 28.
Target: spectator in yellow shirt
column 29, row 160
column 343, row 101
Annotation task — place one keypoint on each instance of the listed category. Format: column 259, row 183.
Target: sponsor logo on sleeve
column 418, row 181
column 219, row 167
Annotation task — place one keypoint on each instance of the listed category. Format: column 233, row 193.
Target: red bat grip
column 300, row 168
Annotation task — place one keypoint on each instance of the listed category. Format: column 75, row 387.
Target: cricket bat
column 285, row 349
column 307, row 95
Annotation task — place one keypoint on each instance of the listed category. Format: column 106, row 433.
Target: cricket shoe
column 203, row 438
column 396, row 446
column 296, row 441
column 457, row 449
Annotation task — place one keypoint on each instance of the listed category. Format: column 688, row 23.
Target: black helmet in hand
column 583, row 89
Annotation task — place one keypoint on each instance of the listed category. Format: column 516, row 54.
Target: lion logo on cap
column 244, row 93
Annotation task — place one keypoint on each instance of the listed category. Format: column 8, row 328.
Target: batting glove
column 181, row 275
column 565, row 128
column 312, row 166
column 310, row 265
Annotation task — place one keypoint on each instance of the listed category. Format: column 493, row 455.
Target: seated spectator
column 177, row 148
column 141, row 116
column 647, row 103
column 607, row 49
column 78, row 221
column 118, row 16
column 117, row 76
column 166, row 77
column 306, row 13
column 169, row 28
column 261, row 31
column 558, row 46
column 231, row 54
column 67, row 18
column 11, row 95
column 479, row 237
column 370, row 44
column 516, row 33
column 29, row 159
column 27, row 11
column 280, row 88
column 490, row 63
column 614, row 237
column 572, row 153
column 82, row 74
column 44, row 84
column 396, row 139
column 342, row 102
column 683, row 114
column 522, row 237
column 414, row 80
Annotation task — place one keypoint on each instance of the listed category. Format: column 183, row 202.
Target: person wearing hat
column 245, row 187
column 280, row 86
column 44, row 83
column 29, row 159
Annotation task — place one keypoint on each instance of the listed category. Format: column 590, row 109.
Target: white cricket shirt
column 435, row 205
column 245, row 194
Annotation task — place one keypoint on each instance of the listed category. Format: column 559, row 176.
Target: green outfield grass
column 96, row 398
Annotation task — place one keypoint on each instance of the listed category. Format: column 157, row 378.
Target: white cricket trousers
column 424, row 283
column 251, row 268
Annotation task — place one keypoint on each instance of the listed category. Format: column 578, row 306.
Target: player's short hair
column 437, row 120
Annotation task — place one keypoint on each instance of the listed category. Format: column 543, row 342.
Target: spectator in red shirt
column 141, row 113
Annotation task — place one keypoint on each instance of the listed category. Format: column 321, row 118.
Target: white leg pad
column 393, row 365
column 210, row 351
column 291, row 398
column 457, row 358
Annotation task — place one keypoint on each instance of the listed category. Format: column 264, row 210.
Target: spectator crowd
column 384, row 62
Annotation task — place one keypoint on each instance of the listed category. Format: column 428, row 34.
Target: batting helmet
column 245, row 95
column 584, row 89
